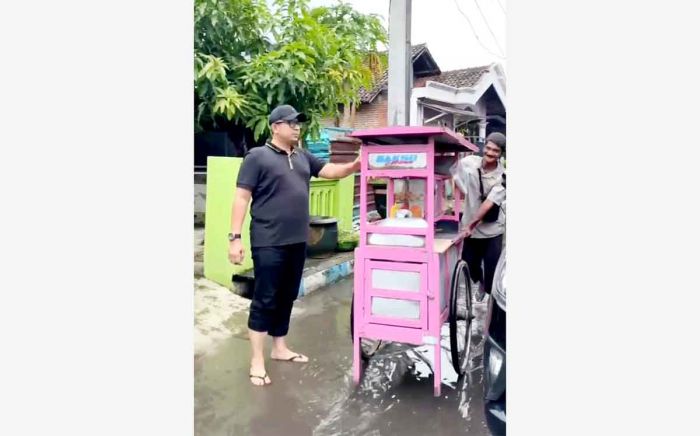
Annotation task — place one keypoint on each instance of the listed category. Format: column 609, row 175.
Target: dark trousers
column 277, row 273
column 486, row 250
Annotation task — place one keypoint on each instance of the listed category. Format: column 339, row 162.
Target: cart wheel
column 368, row 347
column 461, row 316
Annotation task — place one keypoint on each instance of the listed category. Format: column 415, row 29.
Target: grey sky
column 440, row 24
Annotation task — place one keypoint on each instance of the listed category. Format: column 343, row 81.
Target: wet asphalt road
column 395, row 396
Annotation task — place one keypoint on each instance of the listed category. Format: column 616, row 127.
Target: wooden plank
column 442, row 245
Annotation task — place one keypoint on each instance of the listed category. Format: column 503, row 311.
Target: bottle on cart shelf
column 416, row 211
column 394, row 209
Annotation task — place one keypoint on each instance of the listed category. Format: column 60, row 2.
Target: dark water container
column 323, row 236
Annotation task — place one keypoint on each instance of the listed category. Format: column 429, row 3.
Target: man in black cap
column 482, row 180
column 276, row 176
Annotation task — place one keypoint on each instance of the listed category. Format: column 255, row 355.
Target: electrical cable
column 474, row 31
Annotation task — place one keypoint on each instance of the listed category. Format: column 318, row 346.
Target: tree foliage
column 250, row 57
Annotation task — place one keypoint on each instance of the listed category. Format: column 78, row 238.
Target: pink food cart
column 409, row 276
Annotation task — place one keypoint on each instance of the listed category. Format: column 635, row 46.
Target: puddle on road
column 395, row 395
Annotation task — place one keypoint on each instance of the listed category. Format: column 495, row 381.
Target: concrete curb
column 317, row 274
column 325, row 277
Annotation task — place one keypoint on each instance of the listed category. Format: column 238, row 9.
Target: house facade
column 470, row 100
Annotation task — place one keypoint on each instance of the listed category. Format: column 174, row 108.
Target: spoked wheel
column 461, row 316
column 368, row 347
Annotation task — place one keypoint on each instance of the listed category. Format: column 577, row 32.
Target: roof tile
column 463, row 78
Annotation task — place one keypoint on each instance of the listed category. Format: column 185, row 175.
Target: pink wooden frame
column 390, row 253
column 373, row 228
column 426, row 329
column 421, row 296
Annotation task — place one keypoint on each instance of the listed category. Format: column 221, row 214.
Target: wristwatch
column 232, row 237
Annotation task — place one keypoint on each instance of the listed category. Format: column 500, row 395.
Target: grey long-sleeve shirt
column 466, row 177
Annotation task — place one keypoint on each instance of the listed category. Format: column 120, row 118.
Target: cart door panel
column 396, row 293
column 407, row 281
column 395, row 308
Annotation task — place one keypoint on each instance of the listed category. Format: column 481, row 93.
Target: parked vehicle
column 495, row 353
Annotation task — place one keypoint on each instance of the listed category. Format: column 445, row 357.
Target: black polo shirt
column 279, row 183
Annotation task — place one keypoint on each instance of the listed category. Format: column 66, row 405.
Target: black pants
column 278, row 273
column 486, row 250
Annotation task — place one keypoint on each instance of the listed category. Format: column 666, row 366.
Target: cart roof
column 445, row 139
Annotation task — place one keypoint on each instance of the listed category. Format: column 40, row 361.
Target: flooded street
column 394, row 397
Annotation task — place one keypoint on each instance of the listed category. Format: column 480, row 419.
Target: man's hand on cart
column 356, row 163
column 335, row 171
column 236, row 253
column 467, row 232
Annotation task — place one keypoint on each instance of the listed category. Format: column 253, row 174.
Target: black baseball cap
column 286, row 112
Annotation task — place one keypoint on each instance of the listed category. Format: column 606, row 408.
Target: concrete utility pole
column 400, row 65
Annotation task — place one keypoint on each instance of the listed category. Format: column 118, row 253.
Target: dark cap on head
column 286, row 112
column 499, row 139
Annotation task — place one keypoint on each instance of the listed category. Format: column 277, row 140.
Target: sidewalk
column 216, row 308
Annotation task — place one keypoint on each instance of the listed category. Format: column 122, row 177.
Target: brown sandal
column 264, row 378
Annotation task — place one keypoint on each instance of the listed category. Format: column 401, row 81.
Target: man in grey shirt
column 276, row 176
column 482, row 180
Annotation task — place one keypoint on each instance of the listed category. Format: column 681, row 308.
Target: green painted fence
column 333, row 198
column 222, row 173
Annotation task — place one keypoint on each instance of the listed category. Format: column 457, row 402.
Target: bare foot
column 288, row 356
column 258, row 375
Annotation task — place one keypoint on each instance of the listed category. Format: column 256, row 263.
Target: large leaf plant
column 250, row 57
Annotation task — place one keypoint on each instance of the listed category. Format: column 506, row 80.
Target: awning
column 449, row 109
